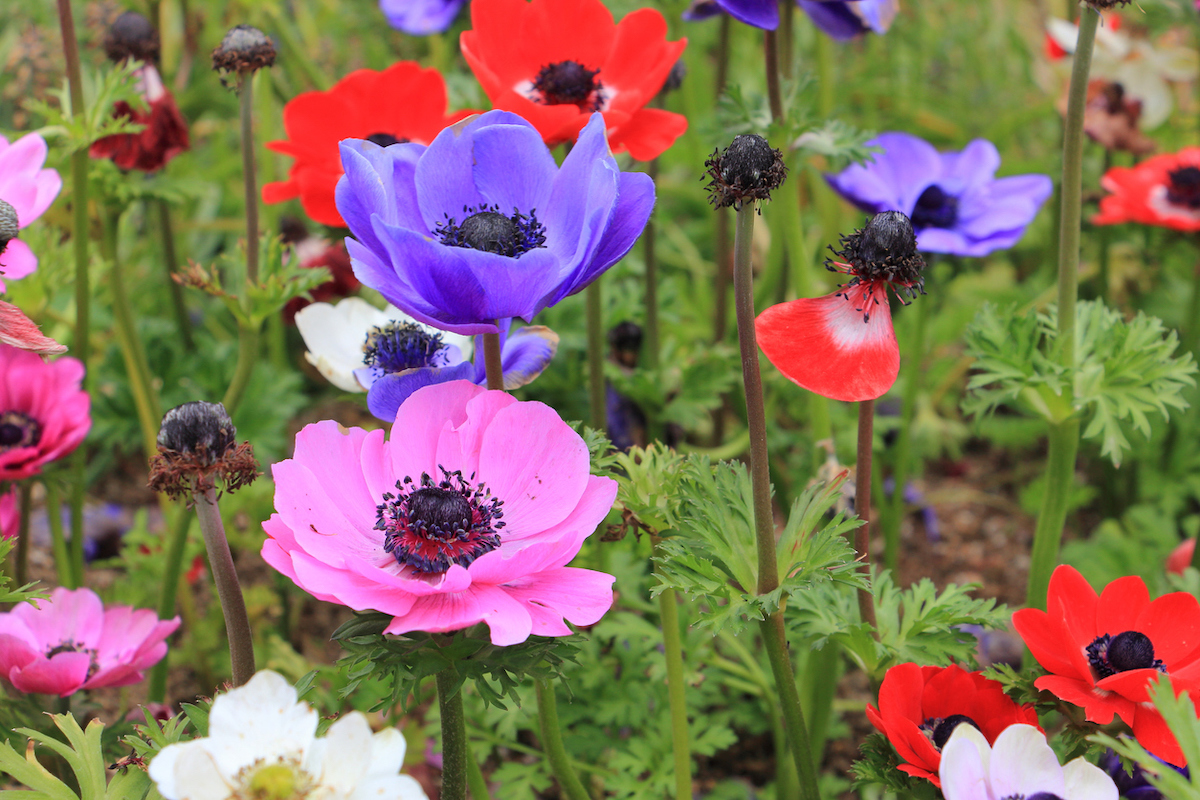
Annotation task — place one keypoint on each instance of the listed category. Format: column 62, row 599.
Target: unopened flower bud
column 10, row 226
column 748, row 170
column 674, row 78
column 197, row 443
column 244, row 49
column 131, row 36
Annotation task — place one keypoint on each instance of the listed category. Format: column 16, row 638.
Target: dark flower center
column 1184, row 188
column 70, row 646
column 883, row 253
column 935, row 209
column 398, row 346
column 568, row 83
column 18, row 429
column 385, row 139
column 434, row 525
column 749, row 169
column 1109, row 655
column 1037, row 796
column 488, row 230
column 938, row 729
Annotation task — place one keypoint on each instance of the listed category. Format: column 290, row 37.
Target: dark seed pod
column 131, row 36
column 10, row 226
column 244, row 49
column 749, row 169
column 885, row 249
column 197, row 444
column 198, row 428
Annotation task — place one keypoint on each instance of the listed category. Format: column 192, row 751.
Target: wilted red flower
column 1104, row 651
column 403, row 103
column 843, row 346
column 555, row 62
column 19, row 331
column 919, row 707
column 164, row 136
column 1163, row 190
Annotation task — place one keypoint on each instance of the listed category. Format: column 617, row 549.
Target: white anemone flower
column 335, row 337
column 1020, row 765
column 262, row 744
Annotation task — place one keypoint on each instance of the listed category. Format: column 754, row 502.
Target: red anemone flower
column 1163, row 190
column 1104, row 652
column 403, row 103
column 842, row 345
column 919, row 707
column 555, row 62
column 164, row 136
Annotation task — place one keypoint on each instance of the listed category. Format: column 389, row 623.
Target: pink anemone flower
column 843, row 346
column 44, row 414
column 71, row 642
column 30, row 190
column 468, row 514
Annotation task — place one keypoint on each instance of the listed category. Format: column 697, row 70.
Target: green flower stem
column 787, row 32
column 862, row 505
column 774, row 93
column 454, row 736
column 246, row 109
column 168, row 594
column 1064, row 435
column 1060, row 475
column 78, row 490
column 58, row 542
column 247, row 356
column 597, row 402
column 668, row 606
column 764, row 518
column 552, row 743
column 475, row 779
column 233, row 605
column 1191, row 333
column 492, row 361
column 911, row 382
column 171, row 262
column 650, row 343
column 25, row 493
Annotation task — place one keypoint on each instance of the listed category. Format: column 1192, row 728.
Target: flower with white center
column 262, row 744
column 335, row 336
column 1020, row 766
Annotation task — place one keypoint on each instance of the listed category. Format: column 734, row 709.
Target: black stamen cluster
column 1184, row 187
column 1128, row 650
column 197, row 443
column 384, row 139
column 749, row 169
column 400, row 346
column 568, row 83
column 244, row 49
column 935, row 209
column 18, row 429
column 131, row 36
column 885, row 249
column 1106, row 5
column 488, row 230
column 10, row 226
column 946, row 726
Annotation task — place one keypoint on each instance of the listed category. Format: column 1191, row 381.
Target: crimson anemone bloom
column 71, row 642
column 555, row 62
column 468, row 514
column 43, row 411
column 919, row 707
column 1163, row 190
column 164, row 136
column 403, row 103
column 843, row 345
column 1104, row 652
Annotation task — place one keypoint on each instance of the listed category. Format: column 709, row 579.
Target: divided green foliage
column 878, row 765
column 1126, row 369
column 21, row 594
column 686, row 388
column 103, row 88
column 649, row 485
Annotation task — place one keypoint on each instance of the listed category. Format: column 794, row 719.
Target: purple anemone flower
column 406, row 363
column 839, row 19
column 954, row 200
column 1134, row 785
column 482, row 225
column 421, row 17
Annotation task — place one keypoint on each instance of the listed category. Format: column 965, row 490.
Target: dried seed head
column 9, row 224
column 1106, row 5
column 749, row 169
column 885, row 249
column 197, row 444
column 131, row 36
column 244, row 49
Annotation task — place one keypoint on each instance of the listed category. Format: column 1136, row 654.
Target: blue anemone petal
column 388, row 392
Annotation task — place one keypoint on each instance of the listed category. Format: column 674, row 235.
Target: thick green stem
column 597, row 401
column 246, row 94
column 552, row 744
column 168, row 594
column 58, row 541
column 912, row 369
column 171, row 261
column 492, row 361
column 25, row 495
column 774, row 92
column 1060, row 475
column 1191, row 331
column 775, row 640
column 650, row 344
column 233, row 604
column 787, row 32
column 668, row 606
column 454, row 736
column 247, row 356
column 862, row 505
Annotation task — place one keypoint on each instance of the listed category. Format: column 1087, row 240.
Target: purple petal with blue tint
column 525, row 354
column 388, row 392
column 834, row 18
column 420, row 17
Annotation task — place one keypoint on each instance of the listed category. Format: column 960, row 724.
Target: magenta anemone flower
column 71, row 642
column 10, row 514
column 30, row 190
column 43, row 411
column 468, row 514
column 843, row 346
